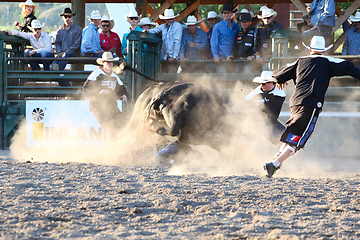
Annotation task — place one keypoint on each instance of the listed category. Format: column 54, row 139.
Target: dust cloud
column 330, row 149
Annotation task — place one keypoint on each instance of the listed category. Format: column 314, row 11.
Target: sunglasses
column 37, row 29
column 67, row 16
column 133, row 18
column 105, row 25
column 267, row 17
column 264, row 83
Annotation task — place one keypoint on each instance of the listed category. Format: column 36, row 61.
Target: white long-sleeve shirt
column 171, row 39
column 43, row 44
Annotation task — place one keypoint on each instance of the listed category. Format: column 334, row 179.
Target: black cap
column 67, row 11
column 227, row 8
column 245, row 17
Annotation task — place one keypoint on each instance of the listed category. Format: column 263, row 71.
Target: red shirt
column 109, row 42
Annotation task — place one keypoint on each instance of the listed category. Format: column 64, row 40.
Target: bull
column 192, row 114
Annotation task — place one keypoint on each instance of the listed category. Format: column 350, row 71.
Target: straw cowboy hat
column 191, row 20
column 29, row 3
column 262, row 9
column 106, row 57
column 355, row 18
column 318, row 44
column 214, row 15
column 107, row 19
column 94, row 15
column 67, row 11
column 146, row 21
column 132, row 14
column 35, row 24
column 266, row 76
column 168, row 14
column 267, row 12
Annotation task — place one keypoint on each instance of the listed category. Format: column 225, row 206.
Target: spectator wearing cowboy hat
column 352, row 39
column 104, row 88
column 194, row 44
column 311, row 76
column 224, row 38
column 41, row 43
column 90, row 43
column 133, row 18
column 322, row 18
column 67, row 43
column 109, row 40
column 268, row 99
column 145, row 23
column 244, row 48
column 171, row 36
column 212, row 19
column 28, row 10
column 262, row 41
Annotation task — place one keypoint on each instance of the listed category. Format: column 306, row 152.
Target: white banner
column 63, row 123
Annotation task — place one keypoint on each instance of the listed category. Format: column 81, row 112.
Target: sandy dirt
column 44, row 200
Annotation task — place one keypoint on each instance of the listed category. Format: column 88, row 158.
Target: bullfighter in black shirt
column 311, row 76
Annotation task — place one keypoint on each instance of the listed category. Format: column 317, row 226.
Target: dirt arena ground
column 45, row 200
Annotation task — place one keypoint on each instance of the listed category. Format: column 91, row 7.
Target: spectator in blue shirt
column 223, row 38
column 90, row 44
column 322, row 18
column 194, row 45
column 133, row 18
column 352, row 39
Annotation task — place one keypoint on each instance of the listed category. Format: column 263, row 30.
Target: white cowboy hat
column 267, row 12
column 132, row 14
column 266, row 76
column 94, row 15
column 106, row 57
column 355, row 18
column 244, row 10
column 107, row 19
column 191, row 20
column 168, row 14
column 146, row 21
column 318, row 44
column 35, row 24
column 29, row 3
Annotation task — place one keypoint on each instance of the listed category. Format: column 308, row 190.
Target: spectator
column 109, row 41
column 269, row 99
column 104, row 88
column 263, row 45
column 352, row 39
column 145, row 23
column 41, row 43
column 322, row 18
column 244, row 49
column 171, row 36
column 311, row 76
column 28, row 10
column 224, row 38
column 194, row 44
column 133, row 18
column 90, row 41
column 67, row 42
column 212, row 19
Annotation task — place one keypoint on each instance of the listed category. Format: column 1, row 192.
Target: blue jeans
column 62, row 65
column 35, row 64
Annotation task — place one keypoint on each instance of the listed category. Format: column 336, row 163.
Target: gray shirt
column 68, row 40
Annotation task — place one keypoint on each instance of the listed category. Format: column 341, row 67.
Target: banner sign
column 63, row 123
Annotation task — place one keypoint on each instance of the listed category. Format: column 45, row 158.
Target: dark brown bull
column 193, row 114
